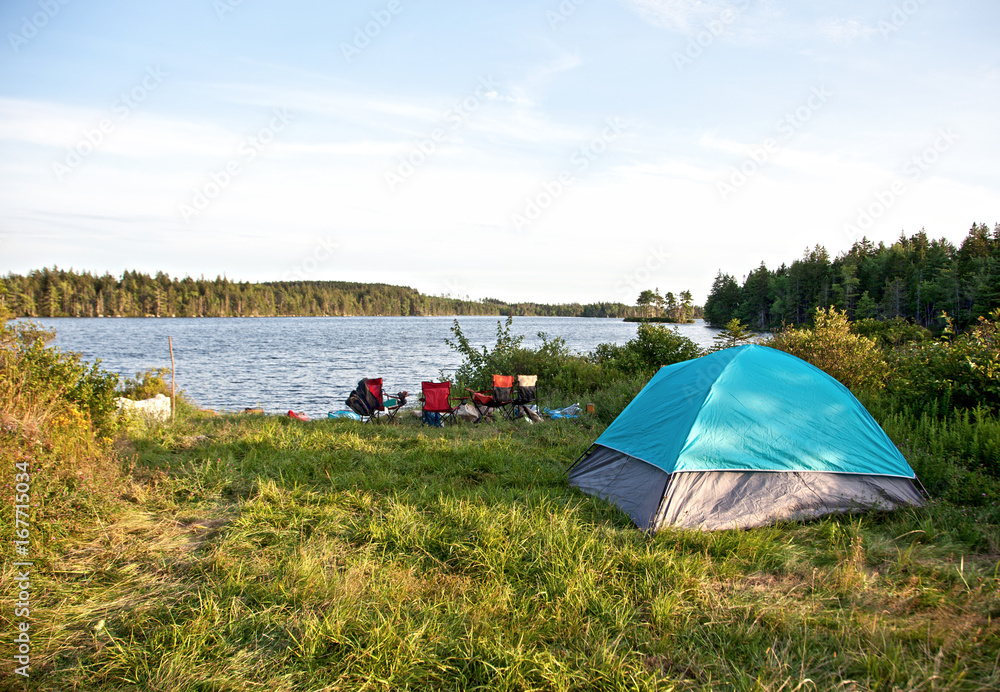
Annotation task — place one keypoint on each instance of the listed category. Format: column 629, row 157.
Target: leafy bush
column 963, row 373
column 38, row 380
column 478, row 368
column 56, row 421
column 856, row 361
column 891, row 333
column 611, row 399
column 653, row 346
column 558, row 368
column 145, row 385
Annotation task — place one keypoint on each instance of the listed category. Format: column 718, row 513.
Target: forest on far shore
column 60, row 293
column 915, row 278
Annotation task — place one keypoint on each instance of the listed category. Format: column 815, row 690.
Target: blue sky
column 523, row 150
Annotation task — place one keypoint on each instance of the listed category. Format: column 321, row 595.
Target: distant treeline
column 60, row 293
column 914, row 278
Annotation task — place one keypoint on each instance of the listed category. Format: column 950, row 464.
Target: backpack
column 362, row 401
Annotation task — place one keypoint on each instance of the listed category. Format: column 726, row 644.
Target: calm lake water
column 309, row 364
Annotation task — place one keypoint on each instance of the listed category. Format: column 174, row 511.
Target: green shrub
column 856, row 361
column 963, row 372
column 610, row 400
column 891, row 333
column 653, row 347
column 37, row 377
column 56, row 424
column 145, row 385
column 559, row 370
column 479, row 366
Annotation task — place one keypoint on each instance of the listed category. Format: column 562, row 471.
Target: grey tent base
column 714, row 500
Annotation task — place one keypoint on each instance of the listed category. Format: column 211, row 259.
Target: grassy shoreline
column 257, row 551
column 239, row 552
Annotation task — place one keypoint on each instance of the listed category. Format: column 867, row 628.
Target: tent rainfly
column 741, row 438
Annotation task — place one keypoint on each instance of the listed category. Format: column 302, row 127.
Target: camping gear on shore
column 368, row 401
column 500, row 398
column 568, row 412
column 437, row 405
column 343, row 414
column 527, row 395
column 741, row 438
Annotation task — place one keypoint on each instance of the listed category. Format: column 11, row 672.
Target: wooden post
column 173, row 376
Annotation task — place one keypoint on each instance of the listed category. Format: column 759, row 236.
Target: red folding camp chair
column 500, row 398
column 374, row 386
column 437, row 400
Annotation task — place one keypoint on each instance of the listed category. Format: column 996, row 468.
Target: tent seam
column 701, row 404
column 832, row 473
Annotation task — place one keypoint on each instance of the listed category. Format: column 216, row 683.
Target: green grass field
column 255, row 552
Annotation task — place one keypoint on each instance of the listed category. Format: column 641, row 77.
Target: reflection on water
column 310, row 363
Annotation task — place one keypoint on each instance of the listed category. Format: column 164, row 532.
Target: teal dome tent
column 742, row 438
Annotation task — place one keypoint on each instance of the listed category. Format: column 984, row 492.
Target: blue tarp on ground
column 752, row 408
column 343, row 414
